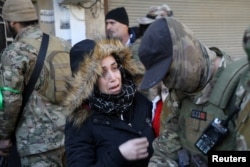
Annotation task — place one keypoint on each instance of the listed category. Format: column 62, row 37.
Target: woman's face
column 110, row 81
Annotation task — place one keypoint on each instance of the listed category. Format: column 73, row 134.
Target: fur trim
column 82, row 85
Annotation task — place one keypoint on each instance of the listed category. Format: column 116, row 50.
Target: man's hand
column 5, row 146
column 135, row 149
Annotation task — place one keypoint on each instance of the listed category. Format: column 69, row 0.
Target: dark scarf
column 114, row 104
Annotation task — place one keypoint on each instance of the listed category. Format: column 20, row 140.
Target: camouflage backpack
column 57, row 63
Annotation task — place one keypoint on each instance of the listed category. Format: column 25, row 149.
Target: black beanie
column 118, row 14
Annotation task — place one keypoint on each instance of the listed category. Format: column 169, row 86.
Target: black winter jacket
column 96, row 142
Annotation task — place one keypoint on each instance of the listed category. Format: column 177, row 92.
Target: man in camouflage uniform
column 154, row 13
column 243, row 94
column 39, row 140
column 171, row 53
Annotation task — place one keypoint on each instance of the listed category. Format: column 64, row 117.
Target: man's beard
column 110, row 34
column 10, row 30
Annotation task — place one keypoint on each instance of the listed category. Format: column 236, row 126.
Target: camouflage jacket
column 242, row 120
column 134, row 50
column 178, row 128
column 41, row 125
column 243, row 95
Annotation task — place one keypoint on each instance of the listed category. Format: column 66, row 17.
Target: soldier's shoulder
column 245, row 81
column 17, row 48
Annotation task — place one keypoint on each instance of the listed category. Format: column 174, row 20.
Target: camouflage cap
column 156, row 12
column 19, row 10
column 246, row 42
column 155, row 53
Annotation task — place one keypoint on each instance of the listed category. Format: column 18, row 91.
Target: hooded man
column 39, row 131
column 171, row 53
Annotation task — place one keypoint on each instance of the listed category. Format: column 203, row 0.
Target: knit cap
column 118, row 14
column 19, row 11
column 79, row 51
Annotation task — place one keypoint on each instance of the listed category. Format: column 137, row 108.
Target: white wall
column 69, row 22
column 78, row 28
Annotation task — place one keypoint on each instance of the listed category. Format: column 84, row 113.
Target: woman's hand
column 135, row 149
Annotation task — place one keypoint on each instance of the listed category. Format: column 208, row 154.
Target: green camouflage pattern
column 246, row 47
column 242, row 120
column 246, row 42
column 52, row 158
column 41, row 127
column 243, row 99
column 134, row 50
column 191, row 58
column 167, row 144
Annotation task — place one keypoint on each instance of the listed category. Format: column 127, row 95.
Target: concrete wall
column 71, row 22
column 95, row 23
column 45, row 5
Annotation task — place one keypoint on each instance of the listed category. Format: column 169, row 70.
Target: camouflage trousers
column 156, row 161
column 53, row 158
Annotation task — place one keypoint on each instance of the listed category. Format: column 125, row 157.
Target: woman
column 113, row 127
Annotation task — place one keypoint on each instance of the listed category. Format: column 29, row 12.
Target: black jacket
column 96, row 142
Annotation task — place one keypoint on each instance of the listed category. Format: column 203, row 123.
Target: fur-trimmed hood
column 82, row 85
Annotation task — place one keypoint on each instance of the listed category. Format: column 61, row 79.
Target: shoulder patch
column 201, row 115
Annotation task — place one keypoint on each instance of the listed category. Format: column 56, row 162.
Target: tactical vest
column 243, row 118
column 195, row 118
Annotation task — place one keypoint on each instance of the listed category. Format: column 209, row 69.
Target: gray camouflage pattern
column 41, row 127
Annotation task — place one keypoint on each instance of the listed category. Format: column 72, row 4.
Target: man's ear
column 12, row 23
column 16, row 26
